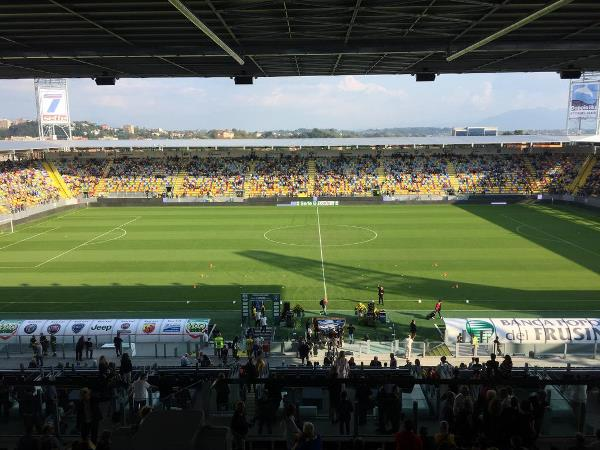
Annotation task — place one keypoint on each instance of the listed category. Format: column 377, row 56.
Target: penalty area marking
column 89, row 241
column 553, row 236
column 374, row 236
column 27, row 238
column 122, row 235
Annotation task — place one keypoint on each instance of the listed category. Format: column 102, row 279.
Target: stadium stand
column 81, row 175
column 282, row 176
column 592, row 184
column 24, row 184
column 554, row 173
column 415, row 175
column 27, row 184
column 501, row 174
column 346, row 176
column 214, row 176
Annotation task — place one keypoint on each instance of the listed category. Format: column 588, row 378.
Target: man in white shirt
column 263, row 324
column 140, row 392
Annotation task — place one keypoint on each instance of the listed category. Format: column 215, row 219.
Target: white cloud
column 483, row 98
column 351, row 83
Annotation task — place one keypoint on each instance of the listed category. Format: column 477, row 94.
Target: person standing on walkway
column 44, row 343
column 79, row 349
column 89, row 348
column 412, row 328
column 118, row 343
column 475, row 344
column 53, row 344
column 351, row 334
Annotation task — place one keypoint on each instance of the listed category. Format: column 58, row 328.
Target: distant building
column 5, row 124
column 129, row 129
column 104, row 127
column 225, row 134
column 475, row 131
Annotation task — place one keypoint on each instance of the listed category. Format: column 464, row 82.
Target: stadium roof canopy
column 140, row 38
column 6, row 146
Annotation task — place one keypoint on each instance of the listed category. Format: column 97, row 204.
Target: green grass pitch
column 522, row 260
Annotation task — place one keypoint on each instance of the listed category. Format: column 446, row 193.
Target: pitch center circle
column 331, row 235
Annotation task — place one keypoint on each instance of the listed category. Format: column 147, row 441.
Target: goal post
column 6, row 226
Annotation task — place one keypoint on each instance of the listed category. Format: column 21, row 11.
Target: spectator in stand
column 393, row 361
column 221, row 388
column 309, row 439
column 292, row 432
column 407, row 439
column 341, row 366
column 264, row 412
column 239, row 426
column 344, row 414
column 506, row 366
column 444, row 440
column 126, row 368
column 492, row 366
column 140, row 390
column 88, row 415
column 375, row 362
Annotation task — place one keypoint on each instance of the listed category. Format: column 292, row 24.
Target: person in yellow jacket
column 475, row 343
column 219, row 344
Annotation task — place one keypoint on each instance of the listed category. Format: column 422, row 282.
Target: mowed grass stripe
column 222, row 252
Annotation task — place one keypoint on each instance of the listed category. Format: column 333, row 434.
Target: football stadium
column 436, row 292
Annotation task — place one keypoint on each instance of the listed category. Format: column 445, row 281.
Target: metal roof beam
column 515, row 26
column 207, row 31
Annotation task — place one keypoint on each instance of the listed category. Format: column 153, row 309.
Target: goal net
column 6, row 226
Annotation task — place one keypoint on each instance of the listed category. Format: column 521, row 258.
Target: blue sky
column 348, row 102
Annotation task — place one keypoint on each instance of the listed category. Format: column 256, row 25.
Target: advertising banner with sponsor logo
column 78, row 327
column 195, row 327
column 126, row 326
column 135, row 330
column 148, row 330
column 526, row 331
column 53, row 106
column 56, row 327
column 584, row 100
column 102, row 327
column 8, row 329
column 171, row 330
column 31, row 328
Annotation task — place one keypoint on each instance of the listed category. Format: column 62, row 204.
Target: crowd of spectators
column 81, row 175
column 149, row 175
column 592, row 184
column 346, row 176
column 24, row 184
column 407, row 174
column 282, row 176
column 554, row 173
column 492, row 174
column 214, row 176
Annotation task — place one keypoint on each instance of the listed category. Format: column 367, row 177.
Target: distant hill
column 527, row 119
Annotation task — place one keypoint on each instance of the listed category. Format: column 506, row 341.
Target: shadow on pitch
column 427, row 289
column 553, row 228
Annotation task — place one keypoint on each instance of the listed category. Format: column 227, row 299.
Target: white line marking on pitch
column 27, row 238
column 85, row 243
column 41, row 222
column 321, row 248
column 122, row 235
column 555, row 237
column 287, row 227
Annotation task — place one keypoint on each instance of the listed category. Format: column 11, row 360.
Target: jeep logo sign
column 105, row 328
